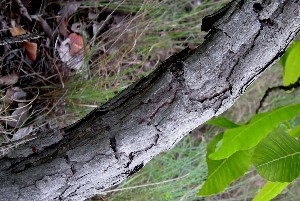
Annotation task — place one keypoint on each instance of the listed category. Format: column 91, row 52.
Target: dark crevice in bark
column 224, row 98
column 73, row 169
column 208, row 21
column 274, row 59
column 134, row 170
column 257, row 7
column 133, row 154
column 266, row 22
column 177, row 70
column 89, row 118
column 74, row 192
column 113, row 145
column 162, row 105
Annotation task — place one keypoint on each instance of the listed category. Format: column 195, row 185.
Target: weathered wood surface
column 151, row 116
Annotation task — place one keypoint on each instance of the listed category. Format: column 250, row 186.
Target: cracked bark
column 117, row 139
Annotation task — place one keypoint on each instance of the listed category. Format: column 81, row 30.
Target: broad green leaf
column 277, row 157
column 291, row 70
column 286, row 54
column 222, row 172
column 270, row 191
column 222, row 122
column 295, row 132
column 247, row 136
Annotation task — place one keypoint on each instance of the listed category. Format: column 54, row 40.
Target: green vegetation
column 264, row 142
column 175, row 175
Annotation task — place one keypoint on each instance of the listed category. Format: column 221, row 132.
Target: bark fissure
column 113, row 145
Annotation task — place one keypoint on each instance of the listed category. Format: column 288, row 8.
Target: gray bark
column 151, row 116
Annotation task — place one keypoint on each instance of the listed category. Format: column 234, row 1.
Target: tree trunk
column 117, row 139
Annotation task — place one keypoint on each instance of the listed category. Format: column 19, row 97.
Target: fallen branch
column 117, row 139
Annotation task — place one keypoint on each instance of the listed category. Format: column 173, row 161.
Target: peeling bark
column 117, row 139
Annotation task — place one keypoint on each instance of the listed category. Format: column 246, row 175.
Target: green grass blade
column 277, row 157
column 222, row 172
column 247, row 136
column 270, row 191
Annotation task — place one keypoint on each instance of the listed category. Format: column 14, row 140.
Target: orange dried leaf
column 31, row 50
column 17, row 31
column 76, row 44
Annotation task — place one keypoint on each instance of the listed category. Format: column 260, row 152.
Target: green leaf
column 222, row 122
column 222, row 172
column 270, row 191
column 286, row 54
column 247, row 136
column 277, row 157
column 291, row 70
column 295, row 132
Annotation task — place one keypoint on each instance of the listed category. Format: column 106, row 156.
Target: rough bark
column 117, row 139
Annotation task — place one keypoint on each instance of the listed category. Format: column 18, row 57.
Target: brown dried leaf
column 14, row 94
column 63, row 28
column 8, row 98
column 9, row 79
column 17, row 31
column 65, row 13
column 76, row 44
column 31, row 50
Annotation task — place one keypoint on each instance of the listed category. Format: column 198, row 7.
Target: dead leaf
column 64, row 54
column 22, row 132
column 9, row 79
column 64, row 51
column 14, row 94
column 19, row 94
column 8, row 97
column 65, row 13
column 76, row 43
column 17, row 31
column 71, row 51
column 19, row 115
column 31, row 50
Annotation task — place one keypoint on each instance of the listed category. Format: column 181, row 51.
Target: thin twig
column 144, row 185
column 280, row 87
column 23, row 9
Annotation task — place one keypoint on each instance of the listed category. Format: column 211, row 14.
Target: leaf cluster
column 269, row 142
